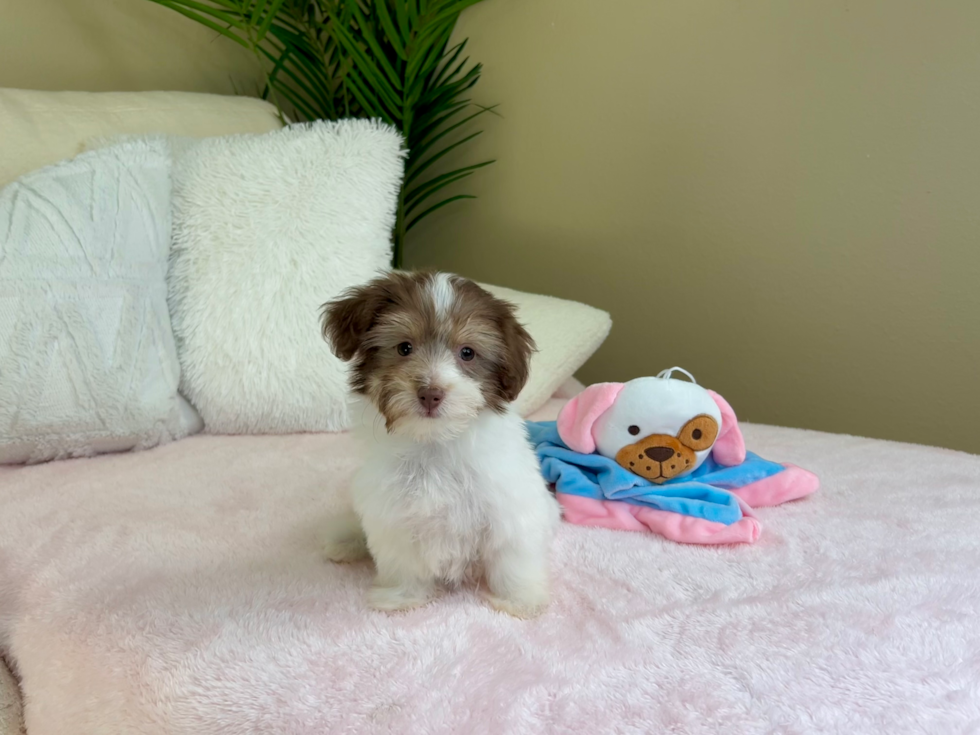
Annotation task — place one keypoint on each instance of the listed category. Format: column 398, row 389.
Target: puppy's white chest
column 440, row 494
column 433, row 501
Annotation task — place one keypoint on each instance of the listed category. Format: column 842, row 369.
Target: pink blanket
column 791, row 484
column 181, row 590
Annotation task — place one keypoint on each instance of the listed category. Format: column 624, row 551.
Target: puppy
column 451, row 487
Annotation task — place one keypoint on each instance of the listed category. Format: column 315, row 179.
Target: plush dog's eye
column 405, row 349
column 699, row 433
column 467, row 354
column 634, row 429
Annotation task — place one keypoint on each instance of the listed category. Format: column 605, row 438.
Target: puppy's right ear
column 346, row 320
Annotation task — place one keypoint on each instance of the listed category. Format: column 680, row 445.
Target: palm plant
column 387, row 59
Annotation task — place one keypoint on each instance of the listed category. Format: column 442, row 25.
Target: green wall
column 782, row 197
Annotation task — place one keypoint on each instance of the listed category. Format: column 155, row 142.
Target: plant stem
column 398, row 238
column 400, row 225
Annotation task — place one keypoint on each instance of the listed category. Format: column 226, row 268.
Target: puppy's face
column 430, row 350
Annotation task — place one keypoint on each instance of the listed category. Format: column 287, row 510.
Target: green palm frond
column 387, row 59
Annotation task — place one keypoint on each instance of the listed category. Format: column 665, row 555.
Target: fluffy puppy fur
column 451, row 488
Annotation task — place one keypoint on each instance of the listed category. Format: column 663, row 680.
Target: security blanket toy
column 662, row 455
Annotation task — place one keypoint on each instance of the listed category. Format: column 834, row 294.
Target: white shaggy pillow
column 87, row 357
column 266, row 229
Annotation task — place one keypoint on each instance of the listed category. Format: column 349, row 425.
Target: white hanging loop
column 665, row 374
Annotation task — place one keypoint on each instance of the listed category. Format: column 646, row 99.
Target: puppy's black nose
column 430, row 398
column 659, row 454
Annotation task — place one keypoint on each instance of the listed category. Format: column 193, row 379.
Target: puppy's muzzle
column 431, row 398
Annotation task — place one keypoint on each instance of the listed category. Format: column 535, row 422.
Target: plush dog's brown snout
column 657, row 457
column 659, row 454
column 660, row 457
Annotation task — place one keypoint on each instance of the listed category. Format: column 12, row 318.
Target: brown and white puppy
column 451, row 485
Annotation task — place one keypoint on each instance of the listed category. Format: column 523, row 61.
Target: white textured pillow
column 266, row 229
column 567, row 334
column 87, row 358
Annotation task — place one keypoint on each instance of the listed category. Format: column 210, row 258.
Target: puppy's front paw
column 525, row 609
column 344, row 539
column 392, row 599
column 346, row 551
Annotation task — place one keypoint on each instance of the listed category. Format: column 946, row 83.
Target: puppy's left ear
column 515, row 365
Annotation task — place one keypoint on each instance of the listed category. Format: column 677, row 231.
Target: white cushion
column 87, row 358
column 567, row 334
column 266, row 229
column 40, row 128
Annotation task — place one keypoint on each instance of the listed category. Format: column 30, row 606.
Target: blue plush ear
column 729, row 449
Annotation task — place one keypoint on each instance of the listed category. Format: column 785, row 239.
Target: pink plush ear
column 579, row 414
column 729, row 448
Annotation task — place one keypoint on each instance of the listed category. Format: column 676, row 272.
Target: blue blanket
column 702, row 494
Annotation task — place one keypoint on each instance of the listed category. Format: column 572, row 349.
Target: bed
column 182, row 590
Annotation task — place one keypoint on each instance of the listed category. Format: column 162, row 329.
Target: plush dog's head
column 430, row 350
column 659, row 428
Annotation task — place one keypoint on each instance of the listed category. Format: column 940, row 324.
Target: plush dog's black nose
column 659, row 454
column 430, row 398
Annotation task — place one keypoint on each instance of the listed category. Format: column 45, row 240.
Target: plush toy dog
column 659, row 428
column 660, row 455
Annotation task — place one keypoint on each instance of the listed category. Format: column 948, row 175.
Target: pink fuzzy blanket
column 181, row 590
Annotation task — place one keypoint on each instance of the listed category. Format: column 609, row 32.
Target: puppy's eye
column 467, row 354
column 405, row 349
column 634, row 429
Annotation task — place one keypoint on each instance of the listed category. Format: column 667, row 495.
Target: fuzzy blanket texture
column 182, row 590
